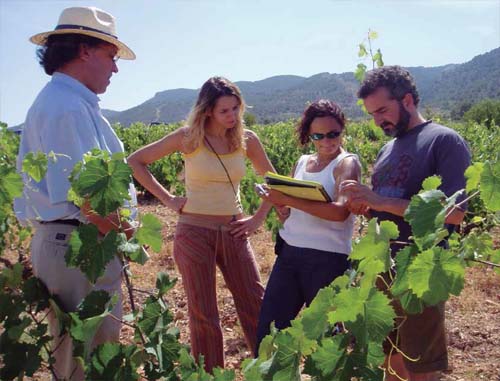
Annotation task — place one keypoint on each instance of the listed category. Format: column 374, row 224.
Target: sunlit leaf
column 473, row 176
column 490, row 185
column 35, row 165
column 430, row 183
column 149, row 233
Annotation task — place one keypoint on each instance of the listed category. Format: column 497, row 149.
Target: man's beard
column 401, row 126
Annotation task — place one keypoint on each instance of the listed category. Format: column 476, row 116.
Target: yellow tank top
column 208, row 189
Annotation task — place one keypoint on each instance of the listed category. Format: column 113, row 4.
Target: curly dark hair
column 318, row 109
column 59, row 49
column 397, row 80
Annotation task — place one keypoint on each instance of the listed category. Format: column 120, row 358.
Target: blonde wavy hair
column 210, row 92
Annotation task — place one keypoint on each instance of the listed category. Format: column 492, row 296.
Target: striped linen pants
column 199, row 247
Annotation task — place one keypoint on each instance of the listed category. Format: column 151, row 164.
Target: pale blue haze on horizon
column 181, row 43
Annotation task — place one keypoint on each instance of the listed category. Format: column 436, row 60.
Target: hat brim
column 124, row 52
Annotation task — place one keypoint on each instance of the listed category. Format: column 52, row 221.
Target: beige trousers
column 48, row 247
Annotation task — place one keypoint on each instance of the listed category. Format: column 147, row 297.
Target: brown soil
column 473, row 319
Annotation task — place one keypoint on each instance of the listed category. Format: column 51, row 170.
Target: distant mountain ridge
column 284, row 96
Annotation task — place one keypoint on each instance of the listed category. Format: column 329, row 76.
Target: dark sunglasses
column 329, row 135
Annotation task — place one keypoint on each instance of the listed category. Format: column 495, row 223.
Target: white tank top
column 302, row 229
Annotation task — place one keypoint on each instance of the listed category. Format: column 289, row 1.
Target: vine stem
column 460, row 203
column 143, row 291
column 370, row 47
column 125, row 266
column 485, row 262
column 131, row 326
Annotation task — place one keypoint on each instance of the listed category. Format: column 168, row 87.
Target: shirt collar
column 77, row 86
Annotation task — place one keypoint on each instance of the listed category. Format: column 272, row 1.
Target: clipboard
column 309, row 190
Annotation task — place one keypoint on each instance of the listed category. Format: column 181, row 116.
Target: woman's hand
column 176, row 203
column 245, row 227
column 360, row 198
column 283, row 213
column 275, row 197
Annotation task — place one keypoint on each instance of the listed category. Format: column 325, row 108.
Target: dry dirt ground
column 473, row 319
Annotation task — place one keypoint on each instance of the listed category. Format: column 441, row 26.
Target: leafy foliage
column 485, row 112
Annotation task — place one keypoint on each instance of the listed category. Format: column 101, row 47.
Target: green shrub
column 486, row 112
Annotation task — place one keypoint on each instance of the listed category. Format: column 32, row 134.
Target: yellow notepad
column 309, row 190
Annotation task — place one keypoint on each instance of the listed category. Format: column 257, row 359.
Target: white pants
column 48, row 247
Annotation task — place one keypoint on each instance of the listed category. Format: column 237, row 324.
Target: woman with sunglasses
column 315, row 241
column 212, row 229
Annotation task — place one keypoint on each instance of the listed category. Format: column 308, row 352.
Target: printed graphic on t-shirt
column 390, row 179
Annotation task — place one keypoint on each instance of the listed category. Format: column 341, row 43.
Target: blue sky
column 181, row 43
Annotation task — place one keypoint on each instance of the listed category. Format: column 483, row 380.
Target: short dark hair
column 318, row 109
column 59, row 49
column 397, row 80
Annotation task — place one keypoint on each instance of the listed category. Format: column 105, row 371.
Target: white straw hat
column 90, row 21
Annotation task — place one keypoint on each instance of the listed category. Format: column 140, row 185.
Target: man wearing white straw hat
column 80, row 54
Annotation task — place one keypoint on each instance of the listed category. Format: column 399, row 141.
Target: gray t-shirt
column 405, row 162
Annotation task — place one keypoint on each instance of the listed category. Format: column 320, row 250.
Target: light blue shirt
column 66, row 119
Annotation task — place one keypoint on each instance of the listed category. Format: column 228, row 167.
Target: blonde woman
column 212, row 229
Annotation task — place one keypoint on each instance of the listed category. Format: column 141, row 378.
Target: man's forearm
column 396, row 206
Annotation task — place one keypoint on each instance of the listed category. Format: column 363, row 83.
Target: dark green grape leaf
column 149, row 233
column 373, row 249
column 18, row 358
column 314, row 318
column 94, row 304
column 403, row 260
column 490, row 185
column 164, row 283
column 400, row 287
column 348, row 304
column 132, row 249
column 114, row 362
column 305, row 345
column 89, row 316
column 103, row 180
column 35, row 293
column 376, row 355
column 425, row 212
column 35, row 165
column 15, row 331
column 285, row 363
column 331, row 352
column 223, row 374
column 434, row 274
column 376, row 320
column 411, row 303
column 251, row 368
column 155, row 316
column 476, row 245
column 90, row 254
column 12, row 277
